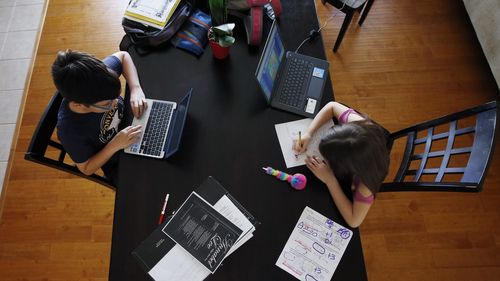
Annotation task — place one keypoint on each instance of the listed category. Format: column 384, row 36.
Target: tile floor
column 20, row 21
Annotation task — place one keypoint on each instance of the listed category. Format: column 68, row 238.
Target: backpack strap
column 253, row 25
column 276, row 4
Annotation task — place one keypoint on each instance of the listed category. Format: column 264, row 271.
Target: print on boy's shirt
column 110, row 122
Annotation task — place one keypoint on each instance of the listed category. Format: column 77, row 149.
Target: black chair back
column 428, row 162
column 42, row 140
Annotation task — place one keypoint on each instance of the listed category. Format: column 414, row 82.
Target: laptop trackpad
column 315, row 87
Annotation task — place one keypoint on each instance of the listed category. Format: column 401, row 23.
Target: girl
column 356, row 159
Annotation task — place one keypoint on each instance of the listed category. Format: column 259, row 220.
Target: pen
column 163, row 209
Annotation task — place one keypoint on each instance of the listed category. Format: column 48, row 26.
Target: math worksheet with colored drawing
column 314, row 248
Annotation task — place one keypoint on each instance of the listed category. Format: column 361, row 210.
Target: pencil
column 300, row 138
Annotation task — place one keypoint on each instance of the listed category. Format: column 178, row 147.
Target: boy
column 92, row 108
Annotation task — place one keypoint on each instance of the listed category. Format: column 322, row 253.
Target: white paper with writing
column 314, row 248
column 288, row 133
column 178, row 264
column 227, row 208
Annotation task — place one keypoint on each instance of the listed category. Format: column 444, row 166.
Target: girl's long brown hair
column 358, row 149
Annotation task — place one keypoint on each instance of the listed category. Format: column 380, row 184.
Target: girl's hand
column 301, row 146
column 320, row 169
column 126, row 137
column 138, row 101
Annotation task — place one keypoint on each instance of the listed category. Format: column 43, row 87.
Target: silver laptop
column 162, row 127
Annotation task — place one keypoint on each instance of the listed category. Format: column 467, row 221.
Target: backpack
column 145, row 38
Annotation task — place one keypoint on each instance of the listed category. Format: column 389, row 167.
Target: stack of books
column 153, row 13
column 208, row 227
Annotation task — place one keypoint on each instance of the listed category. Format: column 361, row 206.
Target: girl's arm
column 330, row 110
column 353, row 213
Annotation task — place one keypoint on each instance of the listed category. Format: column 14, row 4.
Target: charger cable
column 314, row 33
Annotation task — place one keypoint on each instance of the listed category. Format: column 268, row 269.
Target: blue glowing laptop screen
column 270, row 61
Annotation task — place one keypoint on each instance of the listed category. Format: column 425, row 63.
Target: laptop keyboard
column 156, row 129
column 292, row 91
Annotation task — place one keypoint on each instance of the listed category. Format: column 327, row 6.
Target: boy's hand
column 301, row 146
column 127, row 137
column 138, row 101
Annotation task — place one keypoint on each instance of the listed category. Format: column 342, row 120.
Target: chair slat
column 405, row 162
column 444, row 135
column 449, row 146
column 454, row 151
column 426, row 152
column 430, row 171
column 455, row 170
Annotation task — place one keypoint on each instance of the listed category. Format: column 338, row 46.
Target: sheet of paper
column 227, row 208
column 178, row 264
column 288, row 133
column 314, row 248
column 157, row 10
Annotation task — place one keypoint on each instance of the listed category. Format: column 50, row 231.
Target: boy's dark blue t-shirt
column 84, row 135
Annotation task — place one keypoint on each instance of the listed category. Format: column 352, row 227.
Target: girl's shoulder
column 346, row 116
column 363, row 194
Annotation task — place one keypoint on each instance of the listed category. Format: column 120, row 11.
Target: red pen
column 162, row 215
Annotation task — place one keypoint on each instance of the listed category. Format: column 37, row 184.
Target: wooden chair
column 450, row 153
column 42, row 139
column 348, row 7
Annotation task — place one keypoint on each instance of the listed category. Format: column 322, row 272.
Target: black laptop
column 162, row 126
column 290, row 81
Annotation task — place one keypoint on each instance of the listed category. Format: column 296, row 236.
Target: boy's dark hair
column 358, row 149
column 82, row 78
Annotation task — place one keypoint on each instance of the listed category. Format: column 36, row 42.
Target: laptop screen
column 270, row 61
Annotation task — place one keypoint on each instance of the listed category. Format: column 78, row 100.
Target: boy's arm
column 137, row 97
column 123, row 139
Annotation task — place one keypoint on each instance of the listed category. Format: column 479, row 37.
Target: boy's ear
column 78, row 105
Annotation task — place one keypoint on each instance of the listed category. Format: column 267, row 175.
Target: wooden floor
column 411, row 61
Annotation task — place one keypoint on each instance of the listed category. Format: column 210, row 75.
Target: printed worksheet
column 314, row 248
column 288, row 134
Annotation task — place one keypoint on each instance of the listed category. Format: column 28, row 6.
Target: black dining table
column 230, row 135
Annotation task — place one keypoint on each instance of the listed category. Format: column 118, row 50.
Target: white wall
column 485, row 17
column 20, row 21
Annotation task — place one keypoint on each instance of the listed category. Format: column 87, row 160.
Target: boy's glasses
column 108, row 106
